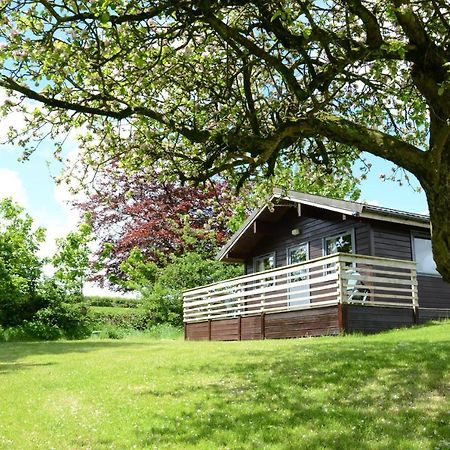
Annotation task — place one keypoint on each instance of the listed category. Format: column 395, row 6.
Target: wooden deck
column 328, row 295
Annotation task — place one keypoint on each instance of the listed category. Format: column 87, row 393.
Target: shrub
column 138, row 320
column 164, row 300
column 40, row 330
column 112, row 332
column 72, row 320
column 113, row 302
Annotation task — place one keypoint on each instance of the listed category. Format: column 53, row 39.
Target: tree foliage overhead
column 205, row 87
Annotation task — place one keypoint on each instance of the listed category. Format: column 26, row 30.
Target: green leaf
column 104, row 17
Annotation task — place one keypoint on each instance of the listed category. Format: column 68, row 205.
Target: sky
column 31, row 184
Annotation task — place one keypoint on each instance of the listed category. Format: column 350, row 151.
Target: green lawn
column 388, row 391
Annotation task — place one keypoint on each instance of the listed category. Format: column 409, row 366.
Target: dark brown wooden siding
column 372, row 319
column 392, row 241
column 426, row 315
column 433, row 292
column 311, row 322
column 251, row 328
column 313, row 231
column 197, row 331
column 225, row 330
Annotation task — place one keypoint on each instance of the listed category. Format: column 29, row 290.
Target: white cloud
column 14, row 119
column 11, row 186
column 58, row 223
column 91, row 289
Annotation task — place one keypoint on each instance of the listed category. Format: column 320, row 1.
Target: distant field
column 388, row 391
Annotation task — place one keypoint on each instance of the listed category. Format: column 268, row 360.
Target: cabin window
column 299, row 293
column 423, row 254
column 264, row 262
column 342, row 243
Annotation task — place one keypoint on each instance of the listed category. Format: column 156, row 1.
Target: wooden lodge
column 319, row 266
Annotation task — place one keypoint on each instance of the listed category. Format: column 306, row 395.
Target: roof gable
column 346, row 207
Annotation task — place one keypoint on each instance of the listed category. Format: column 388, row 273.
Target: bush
column 15, row 311
column 164, row 305
column 71, row 320
column 112, row 332
column 113, row 302
column 164, row 300
column 138, row 321
column 41, row 331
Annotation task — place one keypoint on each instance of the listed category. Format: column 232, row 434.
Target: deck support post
column 209, row 329
column 185, row 331
column 240, row 328
column 340, row 314
column 263, row 325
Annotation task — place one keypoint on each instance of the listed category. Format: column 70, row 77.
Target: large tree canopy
column 205, row 87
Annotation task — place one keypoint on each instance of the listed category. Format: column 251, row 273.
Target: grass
column 388, row 391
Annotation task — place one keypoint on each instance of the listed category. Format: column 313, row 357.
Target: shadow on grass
column 10, row 367
column 360, row 393
column 15, row 351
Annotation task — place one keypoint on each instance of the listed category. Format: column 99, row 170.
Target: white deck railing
column 326, row 281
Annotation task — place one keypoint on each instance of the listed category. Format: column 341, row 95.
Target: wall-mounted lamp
column 295, row 231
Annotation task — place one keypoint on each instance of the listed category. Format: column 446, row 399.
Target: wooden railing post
column 208, row 307
column 414, row 295
column 342, row 293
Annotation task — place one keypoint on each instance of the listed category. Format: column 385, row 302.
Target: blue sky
column 389, row 193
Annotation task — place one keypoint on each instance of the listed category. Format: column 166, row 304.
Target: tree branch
column 197, row 136
column 228, row 33
column 343, row 131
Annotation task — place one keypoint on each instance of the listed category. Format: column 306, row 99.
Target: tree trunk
column 437, row 189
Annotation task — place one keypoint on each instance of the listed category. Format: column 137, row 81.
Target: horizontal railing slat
column 270, row 288
column 339, row 276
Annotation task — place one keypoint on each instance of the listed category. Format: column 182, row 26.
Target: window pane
column 338, row 244
column 424, row 256
column 265, row 263
column 298, row 254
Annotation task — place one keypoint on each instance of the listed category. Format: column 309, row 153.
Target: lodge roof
column 346, row 207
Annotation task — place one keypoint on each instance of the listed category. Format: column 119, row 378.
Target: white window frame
column 260, row 257
column 350, row 232
column 293, row 246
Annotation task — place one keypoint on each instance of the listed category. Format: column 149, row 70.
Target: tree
column 163, row 299
column 71, row 261
column 154, row 218
column 20, row 265
column 205, row 87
